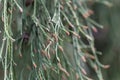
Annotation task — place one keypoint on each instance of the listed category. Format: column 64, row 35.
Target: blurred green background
column 110, row 18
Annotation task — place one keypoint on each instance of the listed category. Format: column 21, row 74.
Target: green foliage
column 34, row 33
